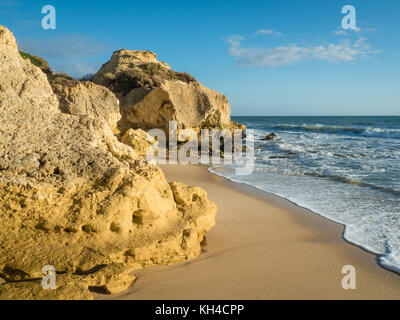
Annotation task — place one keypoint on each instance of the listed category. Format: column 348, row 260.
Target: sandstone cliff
column 74, row 197
column 86, row 98
column 139, row 141
column 151, row 94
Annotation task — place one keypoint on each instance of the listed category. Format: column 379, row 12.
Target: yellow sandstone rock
column 73, row 197
column 86, row 98
column 151, row 94
column 137, row 139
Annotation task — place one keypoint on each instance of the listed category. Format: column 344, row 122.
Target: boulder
column 73, row 197
column 191, row 105
column 138, row 140
column 269, row 137
column 151, row 94
column 86, row 98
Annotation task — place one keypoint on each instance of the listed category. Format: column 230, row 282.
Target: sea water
column 346, row 169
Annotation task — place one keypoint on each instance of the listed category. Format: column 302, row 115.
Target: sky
column 271, row 58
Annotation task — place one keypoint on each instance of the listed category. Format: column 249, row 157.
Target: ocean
column 346, row 169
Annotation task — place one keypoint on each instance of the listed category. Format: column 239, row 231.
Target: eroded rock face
column 74, row 197
column 190, row 105
column 86, row 98
column 151, row 94
column 131, row 69
column 138, row 140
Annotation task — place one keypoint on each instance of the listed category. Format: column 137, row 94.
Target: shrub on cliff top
column 147, row 75
column 36, row 61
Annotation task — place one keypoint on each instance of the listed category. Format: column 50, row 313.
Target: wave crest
column 331, row 129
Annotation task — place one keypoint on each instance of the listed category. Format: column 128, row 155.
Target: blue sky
column 286, row 57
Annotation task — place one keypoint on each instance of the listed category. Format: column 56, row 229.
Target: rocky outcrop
column 73, row 197
column 269, row 137
column 132, row 69
column 86, row 98
column 190, row 105
column 151, row 94
column 37, row 61
column 138, row 140
column 110, row 279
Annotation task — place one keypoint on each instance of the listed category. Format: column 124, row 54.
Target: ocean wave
column 356, row 182
column 332, row 129
column 375, row 232
column 346, row 170
column 381, row 133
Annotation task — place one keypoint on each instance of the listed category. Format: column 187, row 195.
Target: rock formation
column 269, row 137
column 86, row 98
column 37, row 61
column 138, row 140
column 73, row 197
column 151, row 94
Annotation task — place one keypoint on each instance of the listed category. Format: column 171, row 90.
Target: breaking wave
column 331, row 129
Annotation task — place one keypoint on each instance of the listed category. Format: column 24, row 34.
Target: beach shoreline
column 247, row 188
column 263, row 247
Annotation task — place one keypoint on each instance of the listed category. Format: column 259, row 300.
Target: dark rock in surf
column 269, row 137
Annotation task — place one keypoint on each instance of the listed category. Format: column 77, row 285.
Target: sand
column 263, row 247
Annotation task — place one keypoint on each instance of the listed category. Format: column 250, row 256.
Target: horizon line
column 315, row 115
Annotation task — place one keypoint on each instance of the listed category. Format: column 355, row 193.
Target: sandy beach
column 263, row 247
column 89, row 117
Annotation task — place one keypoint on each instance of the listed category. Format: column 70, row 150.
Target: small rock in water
column 269, row 137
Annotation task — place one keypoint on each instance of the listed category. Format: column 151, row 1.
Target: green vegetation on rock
column 36, row 61
column 147, row 75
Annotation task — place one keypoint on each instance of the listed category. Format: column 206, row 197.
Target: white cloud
column 344, row 51
column 264, row 31
column 67, row 53
column 62, row 46
column 268, row 32
column 340, row 31
column 76, row 68
column 368, row 30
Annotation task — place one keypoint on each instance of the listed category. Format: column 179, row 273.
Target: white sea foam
column 382, row 133
column 351, row 178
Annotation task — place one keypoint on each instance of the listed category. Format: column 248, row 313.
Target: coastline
column 263, row 247
column 248, row 188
